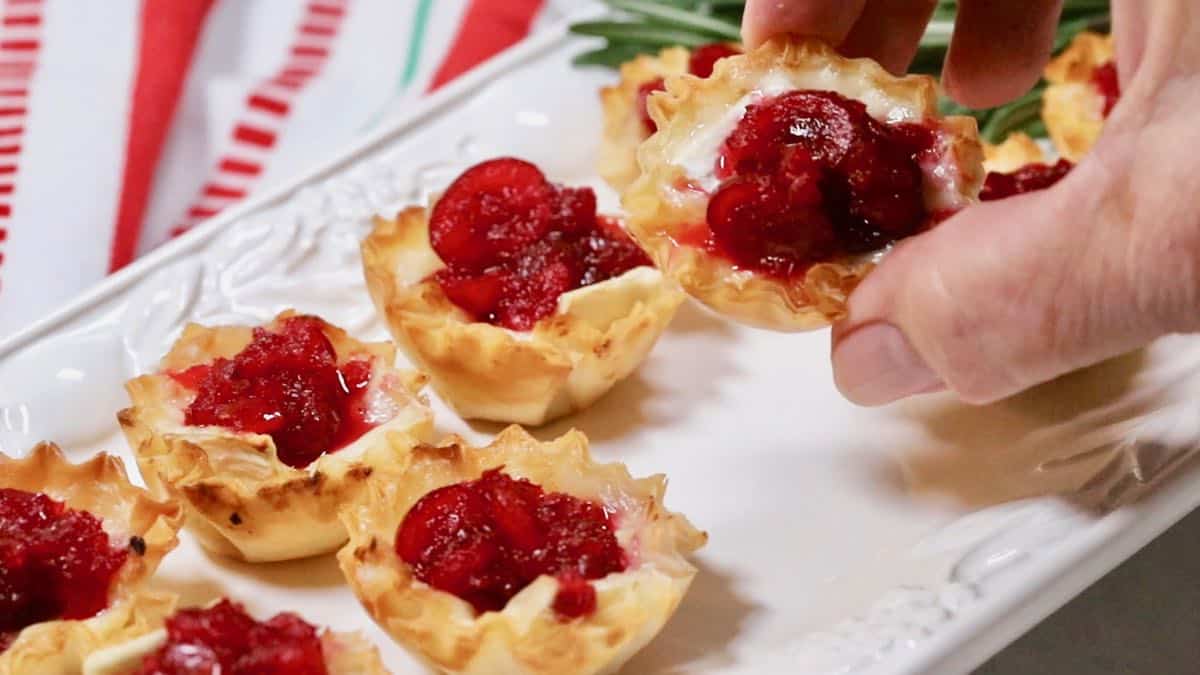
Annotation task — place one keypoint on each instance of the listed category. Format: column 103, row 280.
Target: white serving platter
column 918, row 538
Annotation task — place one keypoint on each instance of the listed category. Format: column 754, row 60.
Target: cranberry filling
column 1028, row 178
column 809, row 176
column 1104, row 79
column 487, row 539
column 224, row 639
column 513, row 242
column 286, row 384
column 55, row 562
column 700, row 64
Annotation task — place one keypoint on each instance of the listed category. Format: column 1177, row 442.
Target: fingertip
column 829, row 21
column 998, row 50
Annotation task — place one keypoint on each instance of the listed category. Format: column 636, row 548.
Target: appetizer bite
column 223, row 639
column 77, row 541
column 263, row 433
column 771, row 185
column 519, row 557
column 520, row 301
column 1082, row 92
column 1017, row 166
column 626, row 120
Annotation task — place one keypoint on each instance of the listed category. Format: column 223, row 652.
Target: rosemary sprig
column 646, row 26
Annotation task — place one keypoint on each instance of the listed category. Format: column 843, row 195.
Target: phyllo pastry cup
column 597, row 336
column 668, row 205
column 342, row 653
column 528, row 635
column 135, row 521
column 1074, row 103
column 241, row 499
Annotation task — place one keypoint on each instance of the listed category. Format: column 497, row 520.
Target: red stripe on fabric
column 10, row 149
column 327, row 10
column 234, row 165
column 169, row 32
column 8, row 169
column 310, row 50
column 489, row 27
column 6, row 189
column 14, row 92
column 201, row 212
column 12, row 131
column 223, row 191
column 22, row 2
column 268, row 104
column 314, row 29
column 254, row 136
column 19, row 45
column 3, row 234
column 5, row 210
column 24, row 20
column 9, row 112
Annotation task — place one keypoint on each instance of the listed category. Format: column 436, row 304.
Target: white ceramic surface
column 916, row 538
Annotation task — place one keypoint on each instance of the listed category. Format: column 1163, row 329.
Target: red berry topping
column 1105, row 80
column 705, row 57
column 808, row 176
column 55, row 562
column 286, row 384
column 487, row 539
column 1028, row 178
column 224, row 639
column 643, row 94
column 523, row 277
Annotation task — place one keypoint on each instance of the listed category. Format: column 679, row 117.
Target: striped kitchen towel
column 123, row 122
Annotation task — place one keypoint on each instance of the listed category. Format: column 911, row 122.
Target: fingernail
column 875, row 365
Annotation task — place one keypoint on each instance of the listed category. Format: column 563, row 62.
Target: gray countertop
column 1141, row 619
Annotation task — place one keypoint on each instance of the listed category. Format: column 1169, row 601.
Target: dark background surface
column 1141, row 619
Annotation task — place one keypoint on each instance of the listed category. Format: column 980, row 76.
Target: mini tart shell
column 526, row 637
column 598, row 336
column 662, row 206
column 100, row 487
column 241, row 500
column 1072, row 107
column 624, row 130
column 1017, row 150
column 345, row 654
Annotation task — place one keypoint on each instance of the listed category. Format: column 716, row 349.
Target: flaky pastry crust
column 1017, row 150
column 241, row 500
column 597, row 337
column 526, row 637
column 1072, row 107
column 664, row 202
column 624, row 130
column 344, row 653
column 132, row 518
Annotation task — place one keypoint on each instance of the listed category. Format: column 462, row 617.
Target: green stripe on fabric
column 416, row 42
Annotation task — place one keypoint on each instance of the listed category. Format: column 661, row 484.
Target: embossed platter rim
column 934, row 620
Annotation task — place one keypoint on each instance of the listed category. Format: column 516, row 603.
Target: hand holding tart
column 770, row 185
column 520, row 302
column 224, row 639
column 264, row 433
column 519, row 557
column 76, row 543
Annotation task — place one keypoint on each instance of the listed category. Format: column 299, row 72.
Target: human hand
column 1011, row 293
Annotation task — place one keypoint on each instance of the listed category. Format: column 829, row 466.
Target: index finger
column 829, row 20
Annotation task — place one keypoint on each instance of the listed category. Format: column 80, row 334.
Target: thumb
column 1011, row 293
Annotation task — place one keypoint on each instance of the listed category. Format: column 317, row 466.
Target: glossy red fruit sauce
column 1105, row 80
column 513, row 242
column 487, row 539
column 55, row 562
column 1028, row 178
column 224, row 639
column 809, row 176
column 287, row 384
column 700, row 64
